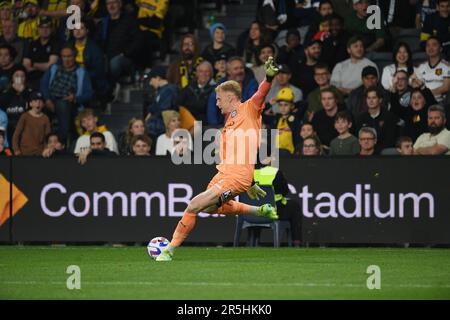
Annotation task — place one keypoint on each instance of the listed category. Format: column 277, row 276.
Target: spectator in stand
column 334, row 48
column 403, row 61
column 346, row 75
column 89, row 122
column 141, row 146
column 166, row 144
column 345, row 143
column 195, row 96
column 322, row 77
column 53, row 146
column 357, row 102
column 306, row 14
column 438, row 25
column 4, row 150
column 6, row 12
column 66, row 88
column 220, row 67
column 218, row 45
column 90, row 56
column 28, row 27
column 118, row 37
column 312, row 147
column 97, row 148
column 4, row 125
column 357, row 24
column 367, row 138
column 264, row 52
column 182, row 71
column 306, row 130
column 437, row 141
column 293, row 51
column 235, row 71
column 14, row 101
column 303, row 71
column 323, row 120
column 400, row 96
column 7, row 65
column 424, row 8
column 435, row 72
column 41, row 53
column 250, row 40
column 405, row 146
column 136, row 127
column 325, row 10
column 32, row 128
column 166, row 98
column 382, row 120
column 9, row 36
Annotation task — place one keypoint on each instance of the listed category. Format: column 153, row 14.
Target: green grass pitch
column 224, row 273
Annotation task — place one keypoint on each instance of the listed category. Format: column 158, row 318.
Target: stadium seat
column 419, row 58
column 409, row 36
column 389, row 152
column 381, row 59
column 254, row 224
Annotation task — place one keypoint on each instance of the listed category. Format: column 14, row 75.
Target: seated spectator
column 345, row 143
column 4, row 150
column 357, row 24
column 141, row 145
column 220, row 67
column 218, row 46
column 136, row 127
column 438, row 25
column 435, row 72
column 7, row 65
column 281, row 81
column 53, row 146
column 28, row 27
column 89, row 122
column 303, row 71
column 293, row 51
column 66, row 88
column 346, row 75
column 306, row 13
column 334, row 48
column 404, row 146
column 403, row 61
column 312, row 147
column 357, row 102
column 424, row 8
column 14, row 101
column 249, row 41
column 322, row 77
column 165, row 145
column 6, row 12
column 41, row 53
column 166, row 98
column 382, row 120
column 263, row 54
column 195, row 96
column 235, row 71
column 32, row 128
column 9, row 36
column 400, row 95
column 323, row 120
column 4, row 126
column 367, row 138
column 437, row 140
column 97, row 148
column 306, row 130
column 182, row 70
column 325, row 10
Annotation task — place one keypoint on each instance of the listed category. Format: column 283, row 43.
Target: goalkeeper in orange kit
column 235, row 176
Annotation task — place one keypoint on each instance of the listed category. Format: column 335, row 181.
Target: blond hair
column 230, row 86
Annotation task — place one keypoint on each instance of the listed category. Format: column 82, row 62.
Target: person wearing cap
column 303, row 71
column 282, row 80
column 264, row 52
column 32, row 128
column 220, row 67
column 293, row 50
column 166, row 98
column 357, row 102
column 346, row 75
column 4, row 150
column 41, row 53
column 357, row 24
column 28, row 27
column 218, row 46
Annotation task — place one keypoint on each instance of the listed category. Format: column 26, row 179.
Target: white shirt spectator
column 347, row 74
column 426, row 140
column 388, row 75
column 165, row 144
column 433, row 77
column 83, row 142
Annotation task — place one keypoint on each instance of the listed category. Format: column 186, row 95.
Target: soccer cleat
column 166, row 255
column 268, row 211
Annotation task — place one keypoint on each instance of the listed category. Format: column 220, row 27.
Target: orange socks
column 234, row 207
column 183, row 229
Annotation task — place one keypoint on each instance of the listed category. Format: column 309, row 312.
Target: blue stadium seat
column 254, row 224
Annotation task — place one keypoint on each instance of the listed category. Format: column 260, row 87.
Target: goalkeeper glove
column 255, row 192
column 270, row 68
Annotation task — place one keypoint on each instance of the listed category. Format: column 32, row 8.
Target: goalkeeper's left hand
column 255, row 192
column 270, row 68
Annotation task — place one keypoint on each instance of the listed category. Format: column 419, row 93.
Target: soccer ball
column 156, row 246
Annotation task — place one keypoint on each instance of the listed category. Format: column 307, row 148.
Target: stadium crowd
column 343, row 87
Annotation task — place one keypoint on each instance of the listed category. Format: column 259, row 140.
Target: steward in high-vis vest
column 287, row 209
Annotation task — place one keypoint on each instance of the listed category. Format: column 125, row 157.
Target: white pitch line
column 224, row 284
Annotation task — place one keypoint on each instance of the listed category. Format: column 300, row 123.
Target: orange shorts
column 227, row 187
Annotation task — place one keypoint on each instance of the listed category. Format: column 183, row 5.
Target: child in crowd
column 345, row 143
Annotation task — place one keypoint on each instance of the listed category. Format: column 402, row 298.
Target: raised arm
column 271, row 71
